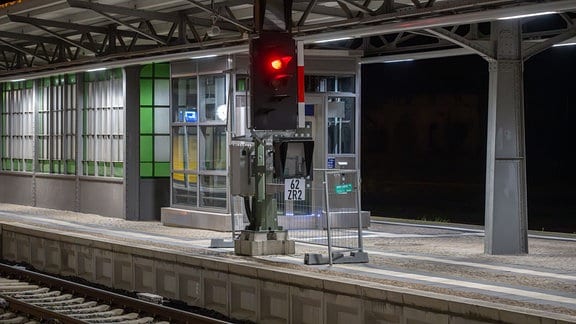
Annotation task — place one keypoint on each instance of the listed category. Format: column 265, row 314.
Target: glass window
column 341, row 119
column 184, row 189
column 185, row 92
column 161, row 92
column 213, row 191
column 213, row 98
column 50, row 134
column 199, row 141
column 18, row 126
column 104, row 124
column 331, row 83
column 184, row 153
column 214, row 148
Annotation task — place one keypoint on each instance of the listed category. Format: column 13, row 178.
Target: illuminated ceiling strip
column 528, row 15
column 563, row 44
column 204, row 56
column 332, row 40
column 96, row 69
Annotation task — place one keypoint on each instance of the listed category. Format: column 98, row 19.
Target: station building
column 151, row 141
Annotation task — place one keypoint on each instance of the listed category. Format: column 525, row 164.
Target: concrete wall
column 56, row 192
column 238, row 288
column 84, row 194
column 155, row 194
column 102, row 196
column 16, row 188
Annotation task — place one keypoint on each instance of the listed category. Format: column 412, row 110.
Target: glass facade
column 103, row 124
column 340, row 111
column 199, row 141
column 155, row 120
column 57, row 106
column 18, row 123
column 40, row 124
column 341, row 125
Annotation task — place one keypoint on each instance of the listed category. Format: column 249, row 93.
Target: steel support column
column 132, row 140
column 506, row 212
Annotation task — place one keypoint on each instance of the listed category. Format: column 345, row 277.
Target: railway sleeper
column 144, row 320
column 74, row 307
column 49, row 305
column 110, row 313
column 7, row 281
column 21, row 289
column 72, row 312
column 115, row 319
column 35, row 300
column 17, row 319
column 53, row 293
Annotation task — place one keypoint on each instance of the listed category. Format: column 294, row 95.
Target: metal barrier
column 324, row 212
column 329, row 214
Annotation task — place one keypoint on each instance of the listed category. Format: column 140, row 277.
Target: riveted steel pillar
column 506, row 221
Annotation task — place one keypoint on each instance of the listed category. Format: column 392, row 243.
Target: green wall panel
column 146, row 169
column 146, row 120
column 162, row 169
column 146, row 90
column 162, row 70
column 147, row 71
column 146, row 148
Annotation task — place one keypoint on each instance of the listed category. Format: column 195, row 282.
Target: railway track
column 29, row 297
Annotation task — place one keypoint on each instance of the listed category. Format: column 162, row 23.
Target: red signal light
column 280, row 63
column 276, row 64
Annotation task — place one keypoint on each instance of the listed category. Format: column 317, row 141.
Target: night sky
column 424, row 139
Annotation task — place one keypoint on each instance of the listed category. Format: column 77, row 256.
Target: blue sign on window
column 331, row 163
column 190, row 116
column 309, row 110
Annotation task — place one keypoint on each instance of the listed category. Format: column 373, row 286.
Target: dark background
column 424, row 139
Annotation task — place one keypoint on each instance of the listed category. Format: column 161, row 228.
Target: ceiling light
column 96, row 69
column 213, row 30
column 563, row 44
column 18, row 80
column 398, row 61
column 203, row 56
column 332, row 40
column 528, row 15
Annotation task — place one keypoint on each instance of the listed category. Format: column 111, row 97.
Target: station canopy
column 43, row 36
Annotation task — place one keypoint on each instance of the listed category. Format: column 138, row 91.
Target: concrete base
column 253, row 243
column 221, row 243
column 178, row 217
column 337, row 258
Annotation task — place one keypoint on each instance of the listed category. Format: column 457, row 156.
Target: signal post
column 274, row 131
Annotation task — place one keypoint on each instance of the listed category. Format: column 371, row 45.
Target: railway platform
column 418, row 271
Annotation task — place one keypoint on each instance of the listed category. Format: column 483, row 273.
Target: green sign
column 343, row 188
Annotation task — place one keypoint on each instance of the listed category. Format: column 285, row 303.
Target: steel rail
column 171, row 314
column 36, row 312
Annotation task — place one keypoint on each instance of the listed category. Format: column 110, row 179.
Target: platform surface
column 435, row 257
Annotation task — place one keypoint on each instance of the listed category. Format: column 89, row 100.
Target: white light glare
column 96, row 69
column 17, row 80
column 563, row 44
column 398, row 61
column 332, row 40
column 528, row 15
column 203, row 56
